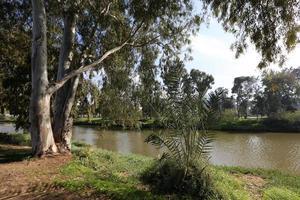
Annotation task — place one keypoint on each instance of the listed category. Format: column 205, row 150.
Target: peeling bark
column 65, row 96
column 39, row 115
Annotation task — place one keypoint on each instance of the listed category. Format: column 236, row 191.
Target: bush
column 228, row 115
column 291, row 116
column 15, row 138
column 168, row 177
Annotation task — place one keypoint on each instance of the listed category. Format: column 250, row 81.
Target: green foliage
column 15, row 60
column 273, row 178
column 149, row 90
column 275, row 193
column 123, row 177
column 15, row 138
column 118, row 107
column 291, row 116
column 243, row 87
column 188, row 148
column 272, row 26
column 169, row 177
column 282, row 90
column 104, row 172
column 228, row 115
column 162, row 26
column 228, row 186
column 181, row 168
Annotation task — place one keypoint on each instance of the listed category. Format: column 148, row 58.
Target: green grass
column 228, row 186
column 107, row 173
column 283, row 183
column 118, row 176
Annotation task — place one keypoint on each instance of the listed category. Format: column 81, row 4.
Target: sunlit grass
column 119, row 177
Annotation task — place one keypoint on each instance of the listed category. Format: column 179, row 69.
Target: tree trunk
column 65, row 96
column 39, row 114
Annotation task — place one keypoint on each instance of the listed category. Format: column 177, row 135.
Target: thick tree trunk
column 63, row 122
column 65, row 97
column 39, row 114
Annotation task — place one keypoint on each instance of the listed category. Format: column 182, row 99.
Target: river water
column 264, row 150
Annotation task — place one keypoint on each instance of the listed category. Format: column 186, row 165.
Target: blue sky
column 212, row 54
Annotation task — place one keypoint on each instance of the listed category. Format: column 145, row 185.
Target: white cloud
column 212, row 54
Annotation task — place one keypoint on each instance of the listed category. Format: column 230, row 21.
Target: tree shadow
column 11, row 153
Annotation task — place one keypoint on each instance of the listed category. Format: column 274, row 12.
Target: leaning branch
column 57, row 85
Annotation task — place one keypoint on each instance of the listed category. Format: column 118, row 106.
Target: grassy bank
column 258, row 125
column 110, row 124
column 238, row 125
column 95, row 172
column 117, row 176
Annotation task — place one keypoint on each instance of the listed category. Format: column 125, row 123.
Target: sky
column 212, row 54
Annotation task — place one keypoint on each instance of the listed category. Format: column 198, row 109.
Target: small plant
column 182, row 168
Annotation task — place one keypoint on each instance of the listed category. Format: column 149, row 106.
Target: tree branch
column 57, row 85
column 150, row 41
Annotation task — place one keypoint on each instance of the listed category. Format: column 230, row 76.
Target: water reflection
column 266, row 150
column 120, row 141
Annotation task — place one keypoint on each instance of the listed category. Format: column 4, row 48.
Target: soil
column 254, row 184
column 33, row 178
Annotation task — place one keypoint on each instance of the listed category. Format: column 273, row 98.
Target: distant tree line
column 273, row 93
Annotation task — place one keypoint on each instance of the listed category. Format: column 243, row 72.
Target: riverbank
column 258, row 125
column 252, row 125
column 235, row 125
column 96, row 173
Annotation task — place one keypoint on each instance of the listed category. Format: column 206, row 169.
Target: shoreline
column 92, row 173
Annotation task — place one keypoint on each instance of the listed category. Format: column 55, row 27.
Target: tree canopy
column 272, row 26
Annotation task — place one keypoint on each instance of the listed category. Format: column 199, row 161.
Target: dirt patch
column 33, row 178
column 254, row 184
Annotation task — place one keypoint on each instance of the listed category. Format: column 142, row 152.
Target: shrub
column 228, row 115
column 182, row 167
column 291, row 116
column 15, row 138
column 168, row 177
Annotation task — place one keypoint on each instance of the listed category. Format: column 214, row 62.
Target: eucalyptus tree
column 259, row 104
column 272, row 26
column 282, row 91
column 87, row 98
column 118, row 101
column 149, row 87
column 202, row 81
column 93, row 32
column 243, row 87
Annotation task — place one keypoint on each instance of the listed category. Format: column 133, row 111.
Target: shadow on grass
column 11, row 153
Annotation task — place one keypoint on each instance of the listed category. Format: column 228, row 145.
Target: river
column 264, row 150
